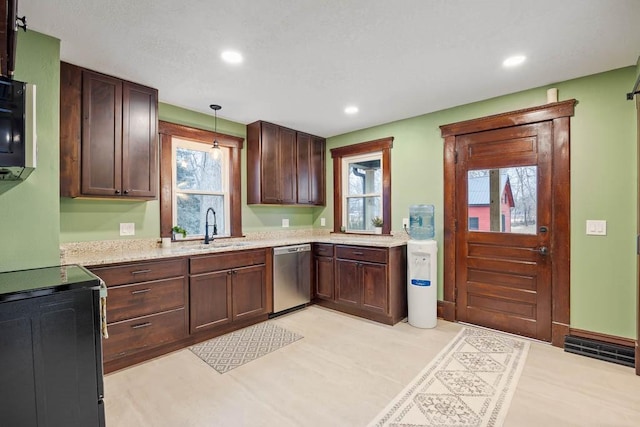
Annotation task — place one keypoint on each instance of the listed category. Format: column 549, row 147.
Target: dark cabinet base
column 50, row 366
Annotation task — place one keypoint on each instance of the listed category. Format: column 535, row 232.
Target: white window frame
column 345, row 188
column 224, row 159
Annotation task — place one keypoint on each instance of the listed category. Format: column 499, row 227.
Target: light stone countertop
column 117, row 251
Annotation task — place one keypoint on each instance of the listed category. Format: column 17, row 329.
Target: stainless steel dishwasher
column 291, row 277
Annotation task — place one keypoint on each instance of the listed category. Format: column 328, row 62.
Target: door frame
column 559, row 114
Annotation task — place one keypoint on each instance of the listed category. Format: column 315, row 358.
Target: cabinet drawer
column 142, row 333
column 323, row 249
column 360, row 253
column 225, row 261
column 141, row 299
column 140, row 272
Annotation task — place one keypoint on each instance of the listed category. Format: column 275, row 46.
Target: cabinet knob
column 117, row 191
column 126, row 191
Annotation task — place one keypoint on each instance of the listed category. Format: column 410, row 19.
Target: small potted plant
column 376, row 221
column 178, row 231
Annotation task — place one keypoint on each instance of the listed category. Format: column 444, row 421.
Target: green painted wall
column 603, row 186
column 86, row 220
column 603, row 173
column 254, row 218
column 30, row 210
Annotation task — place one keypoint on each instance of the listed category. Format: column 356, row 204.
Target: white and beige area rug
column 229, row 351
column 470, row 383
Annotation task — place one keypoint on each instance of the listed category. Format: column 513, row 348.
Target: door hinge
column 455, row 225
column 455, row 294
column 455, row 157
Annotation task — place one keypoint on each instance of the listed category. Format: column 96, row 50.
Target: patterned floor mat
column 229, row 351
column 470, row 383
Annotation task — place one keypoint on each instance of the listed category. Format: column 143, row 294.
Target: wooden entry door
column 489, row 275
column 503, row 201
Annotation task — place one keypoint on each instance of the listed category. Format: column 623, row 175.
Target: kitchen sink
column 213, row 245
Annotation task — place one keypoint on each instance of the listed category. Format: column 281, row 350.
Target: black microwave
column 17, row 143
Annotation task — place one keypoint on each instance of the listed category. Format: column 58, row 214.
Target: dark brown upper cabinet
column 284, row 166
column 108, row 136
column 8, row 36
column 310, row 168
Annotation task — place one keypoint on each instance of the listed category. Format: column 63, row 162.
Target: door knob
column 543, row 250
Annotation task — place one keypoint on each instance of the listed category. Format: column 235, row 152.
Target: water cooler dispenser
column 422, row 273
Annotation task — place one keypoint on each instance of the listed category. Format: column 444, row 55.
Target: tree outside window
column 200, row 183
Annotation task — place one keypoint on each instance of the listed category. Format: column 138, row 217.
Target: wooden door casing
column 558, row 114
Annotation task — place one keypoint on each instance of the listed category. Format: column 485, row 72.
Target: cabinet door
column 139, row 140
column 348, row 288
column 249, row 292
column 303, row 152
column 287, row 166
column 323, row 277
column 374, row 286
column 269, row 164
column 316, row 171
column 50, row 360
column 101, row 135
column 210, row 300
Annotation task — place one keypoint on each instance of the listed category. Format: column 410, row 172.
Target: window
column 362, row 191
column 362, row 182
column 200, row 182
column 192, row 181
column 473, row 223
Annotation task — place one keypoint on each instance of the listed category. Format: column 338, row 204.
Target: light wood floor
column 344, row 371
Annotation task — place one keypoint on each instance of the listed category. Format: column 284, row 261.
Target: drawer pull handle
column 141, row 272
column 358, row 253
column 140, row 291
column 141, row 325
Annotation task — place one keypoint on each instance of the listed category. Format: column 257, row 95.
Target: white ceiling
column 305, row 60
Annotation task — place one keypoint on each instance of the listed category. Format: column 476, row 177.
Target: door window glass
column 503, row 200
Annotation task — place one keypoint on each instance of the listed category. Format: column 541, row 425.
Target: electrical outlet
column 127, row 229
column 285, row 222
column 405, row 222
column 323, row 222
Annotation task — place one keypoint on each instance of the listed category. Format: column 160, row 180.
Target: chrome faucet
column 208, row 239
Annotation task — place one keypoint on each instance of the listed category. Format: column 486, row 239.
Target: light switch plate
column 323, row 222
column 127, row 229
column 285, row 222
column 596, row 227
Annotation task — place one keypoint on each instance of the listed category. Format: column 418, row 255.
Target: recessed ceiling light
column 351, row 109
column 231, row 57
column 513, row 61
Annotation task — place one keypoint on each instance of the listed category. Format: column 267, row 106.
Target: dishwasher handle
column 283, row 250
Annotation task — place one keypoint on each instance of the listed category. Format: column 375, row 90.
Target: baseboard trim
column 440, row 309
column 611, row 339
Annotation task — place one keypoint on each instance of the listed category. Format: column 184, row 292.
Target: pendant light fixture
column 214, row 151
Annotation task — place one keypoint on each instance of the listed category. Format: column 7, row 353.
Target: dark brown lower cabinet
column 323, row 271
column 155, row 307
column 225, row 296
column 369, row 282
